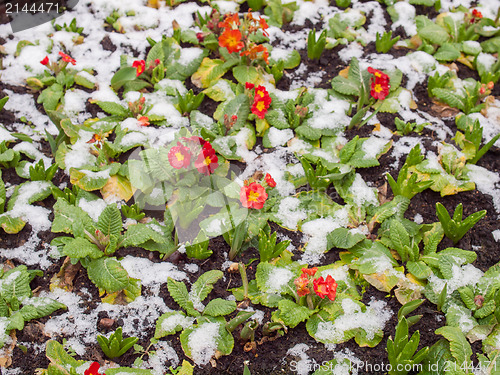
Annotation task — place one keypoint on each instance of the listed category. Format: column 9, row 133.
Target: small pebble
column 107, row 322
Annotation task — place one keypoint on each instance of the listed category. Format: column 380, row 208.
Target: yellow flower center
column 378, row 88
column 259, row 93
column 261, row 106
column 253, row 196
column 208, row 161
column 179, row 156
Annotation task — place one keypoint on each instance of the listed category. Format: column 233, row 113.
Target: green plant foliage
column 115, row 345
column 17, row 303
column 402, row 350
column 384, row 42
column 456, row 227
column 315, row 46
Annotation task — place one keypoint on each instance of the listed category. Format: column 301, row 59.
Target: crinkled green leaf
column 108, row 274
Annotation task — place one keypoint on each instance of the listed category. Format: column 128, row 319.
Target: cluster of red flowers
column 140, row 66
column 64, row 57
column 323, row 288
column 93, row 369
column 232, row 38
column 180, row 156
column 254, row 195
column 485, row 87
column 380, row 86
column 261, row 100
column 476, row 16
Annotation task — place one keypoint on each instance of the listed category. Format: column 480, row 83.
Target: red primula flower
column 379, row 90
column 231, row 20
column 93, row 369
column 325, row 288
column 67, row 58
column 302, row 283
column 270, row 180
column 309, row 271
column 140, row 66
column 378, row 74
column 263, row 26
column 249, row 85
column 231, row 39
column 253, row 196
column 207, row 161
column 261, row 92
column 45, row 61
column 179, row 156
column 379, row 84
column 260, row 106
column 253, row 52
column 143, row 121
column 476, row 14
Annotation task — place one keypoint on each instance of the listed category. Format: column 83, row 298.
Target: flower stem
column 244, row 278
column 369, row 117
column 310, row 302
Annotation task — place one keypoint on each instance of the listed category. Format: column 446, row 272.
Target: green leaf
column 59, row 358
column 179, row 293
column 291, row 60
column 399, row 236
column 211, row 71
column 79, row 247
column 446, row 266
column 127, row 370
column 138, row 234
column 113, row 108
column 293, row 314
column 50, row 97
column 214, row 327
column 219, row 307
column 110, row 221
column 10, row 224
column 447, row 52
column 15, row 286
column 450, row 98
column 244, row 74
column 38, row 307
column 108, row 274
column 409, row 307
column 172, row 322
column 419, row 269
column 239, row 106
column 459, row 346
column 83, row 81
column 67, row 215
column 343, row 238
column 430, row 31
column 3, row 101
column 89, row 180
column 123, row 76
column 30, row 192
column 345, row 86
column 204, row 285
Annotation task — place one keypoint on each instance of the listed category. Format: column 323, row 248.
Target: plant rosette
column 193, row 161
column 314, row 295
column 55, row 80
column 243, row 37
column 191, row 179
column 369, row 88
